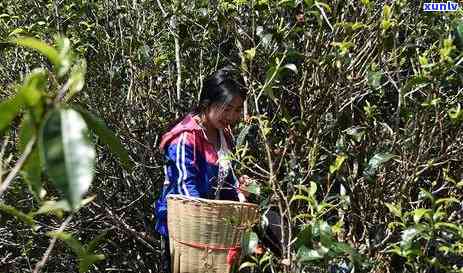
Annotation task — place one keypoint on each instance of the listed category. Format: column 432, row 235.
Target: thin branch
column 173, row 22
column 164, row 13
column 27, row 151
column 173, row 30
column 2, row 153
column 47, row 253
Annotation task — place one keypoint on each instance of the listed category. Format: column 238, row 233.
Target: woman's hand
column 244, row 182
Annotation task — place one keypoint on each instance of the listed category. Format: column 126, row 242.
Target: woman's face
column 221, row 116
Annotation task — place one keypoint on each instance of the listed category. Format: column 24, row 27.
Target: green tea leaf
column 244, row 132
column 253, row 188
column 305, row 255
column 394, row 209
column 424, row 194
column 106, row 136
column 447, row 200
column 247, row 265
column 17, row 214
column 87, row 260
column 291, row 67
column 338, row 163
column 453, row 227
column 9, row 109
column 68, row 153
column 375, row 163
column 250, row 241
column 70, row 241
column 34, row 87
column 374, row 79
column 93, row 244
column 341, row 248
column 250, row 53
column 419, row 213
column 32, row 169
column 356, row 132
column 326, row 237
column 55, row 207
column 304, row 237
column 46, row 50
column 66, row 55
column 313, row 188
column 77, row 78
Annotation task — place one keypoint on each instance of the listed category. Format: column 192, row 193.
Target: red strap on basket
column 233, row 252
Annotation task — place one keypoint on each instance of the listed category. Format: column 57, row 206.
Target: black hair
column 219, row 88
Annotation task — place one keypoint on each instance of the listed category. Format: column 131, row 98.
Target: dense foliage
column 353, row 126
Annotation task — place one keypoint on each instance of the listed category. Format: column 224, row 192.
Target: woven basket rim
column 209, row 201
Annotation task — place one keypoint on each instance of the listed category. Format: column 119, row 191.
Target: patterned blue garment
column 191, row 168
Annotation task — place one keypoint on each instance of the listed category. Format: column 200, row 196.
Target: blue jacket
column 190, row 168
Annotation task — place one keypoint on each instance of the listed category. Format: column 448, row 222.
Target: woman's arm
column 182, row 172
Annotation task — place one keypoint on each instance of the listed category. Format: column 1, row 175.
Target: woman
column 196, row 151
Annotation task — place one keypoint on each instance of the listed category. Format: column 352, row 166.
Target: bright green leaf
column 338, row 163
column 55, row 207
column 419, row 213
column 250, row 53
column 304, row 254
column 93, row 244
column 48, row 51
column 68, row 153
column 70, row 241
column 447, row 200
column 304, row 237
column 374, row 79
column 313, row 188
column 247, row 265
column 450, row 226
column 9, row 109
column 395, row 209
column 250, row 241
column 17, row 214
column 300, row 197
column 241, row 137
column 341, row 248
column 63, row 45
column 32, row 169
column 253, row 188
column 375, row 162
column 34, row 87
column 424, row 194
column 87, row 260
column 77, row 78
column 291, row 67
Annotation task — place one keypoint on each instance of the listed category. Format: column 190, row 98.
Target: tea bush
column 353, row 125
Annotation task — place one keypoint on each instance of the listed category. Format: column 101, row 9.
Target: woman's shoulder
column 183, row 132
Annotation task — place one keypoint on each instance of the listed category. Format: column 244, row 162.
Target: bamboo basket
column 204, row 234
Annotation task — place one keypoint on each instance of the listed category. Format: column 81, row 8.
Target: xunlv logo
column 449, row 6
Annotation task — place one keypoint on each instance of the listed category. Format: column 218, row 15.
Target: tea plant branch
column 164, row 13
column 322, row 11
column 140, row 236
column 272, row 78
column 262, row 175
column 47, row 253
column 282, row 158
column 2, row 153
column 62, row 91
column 174, row 31
column 286, row 252
column 27, row 151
